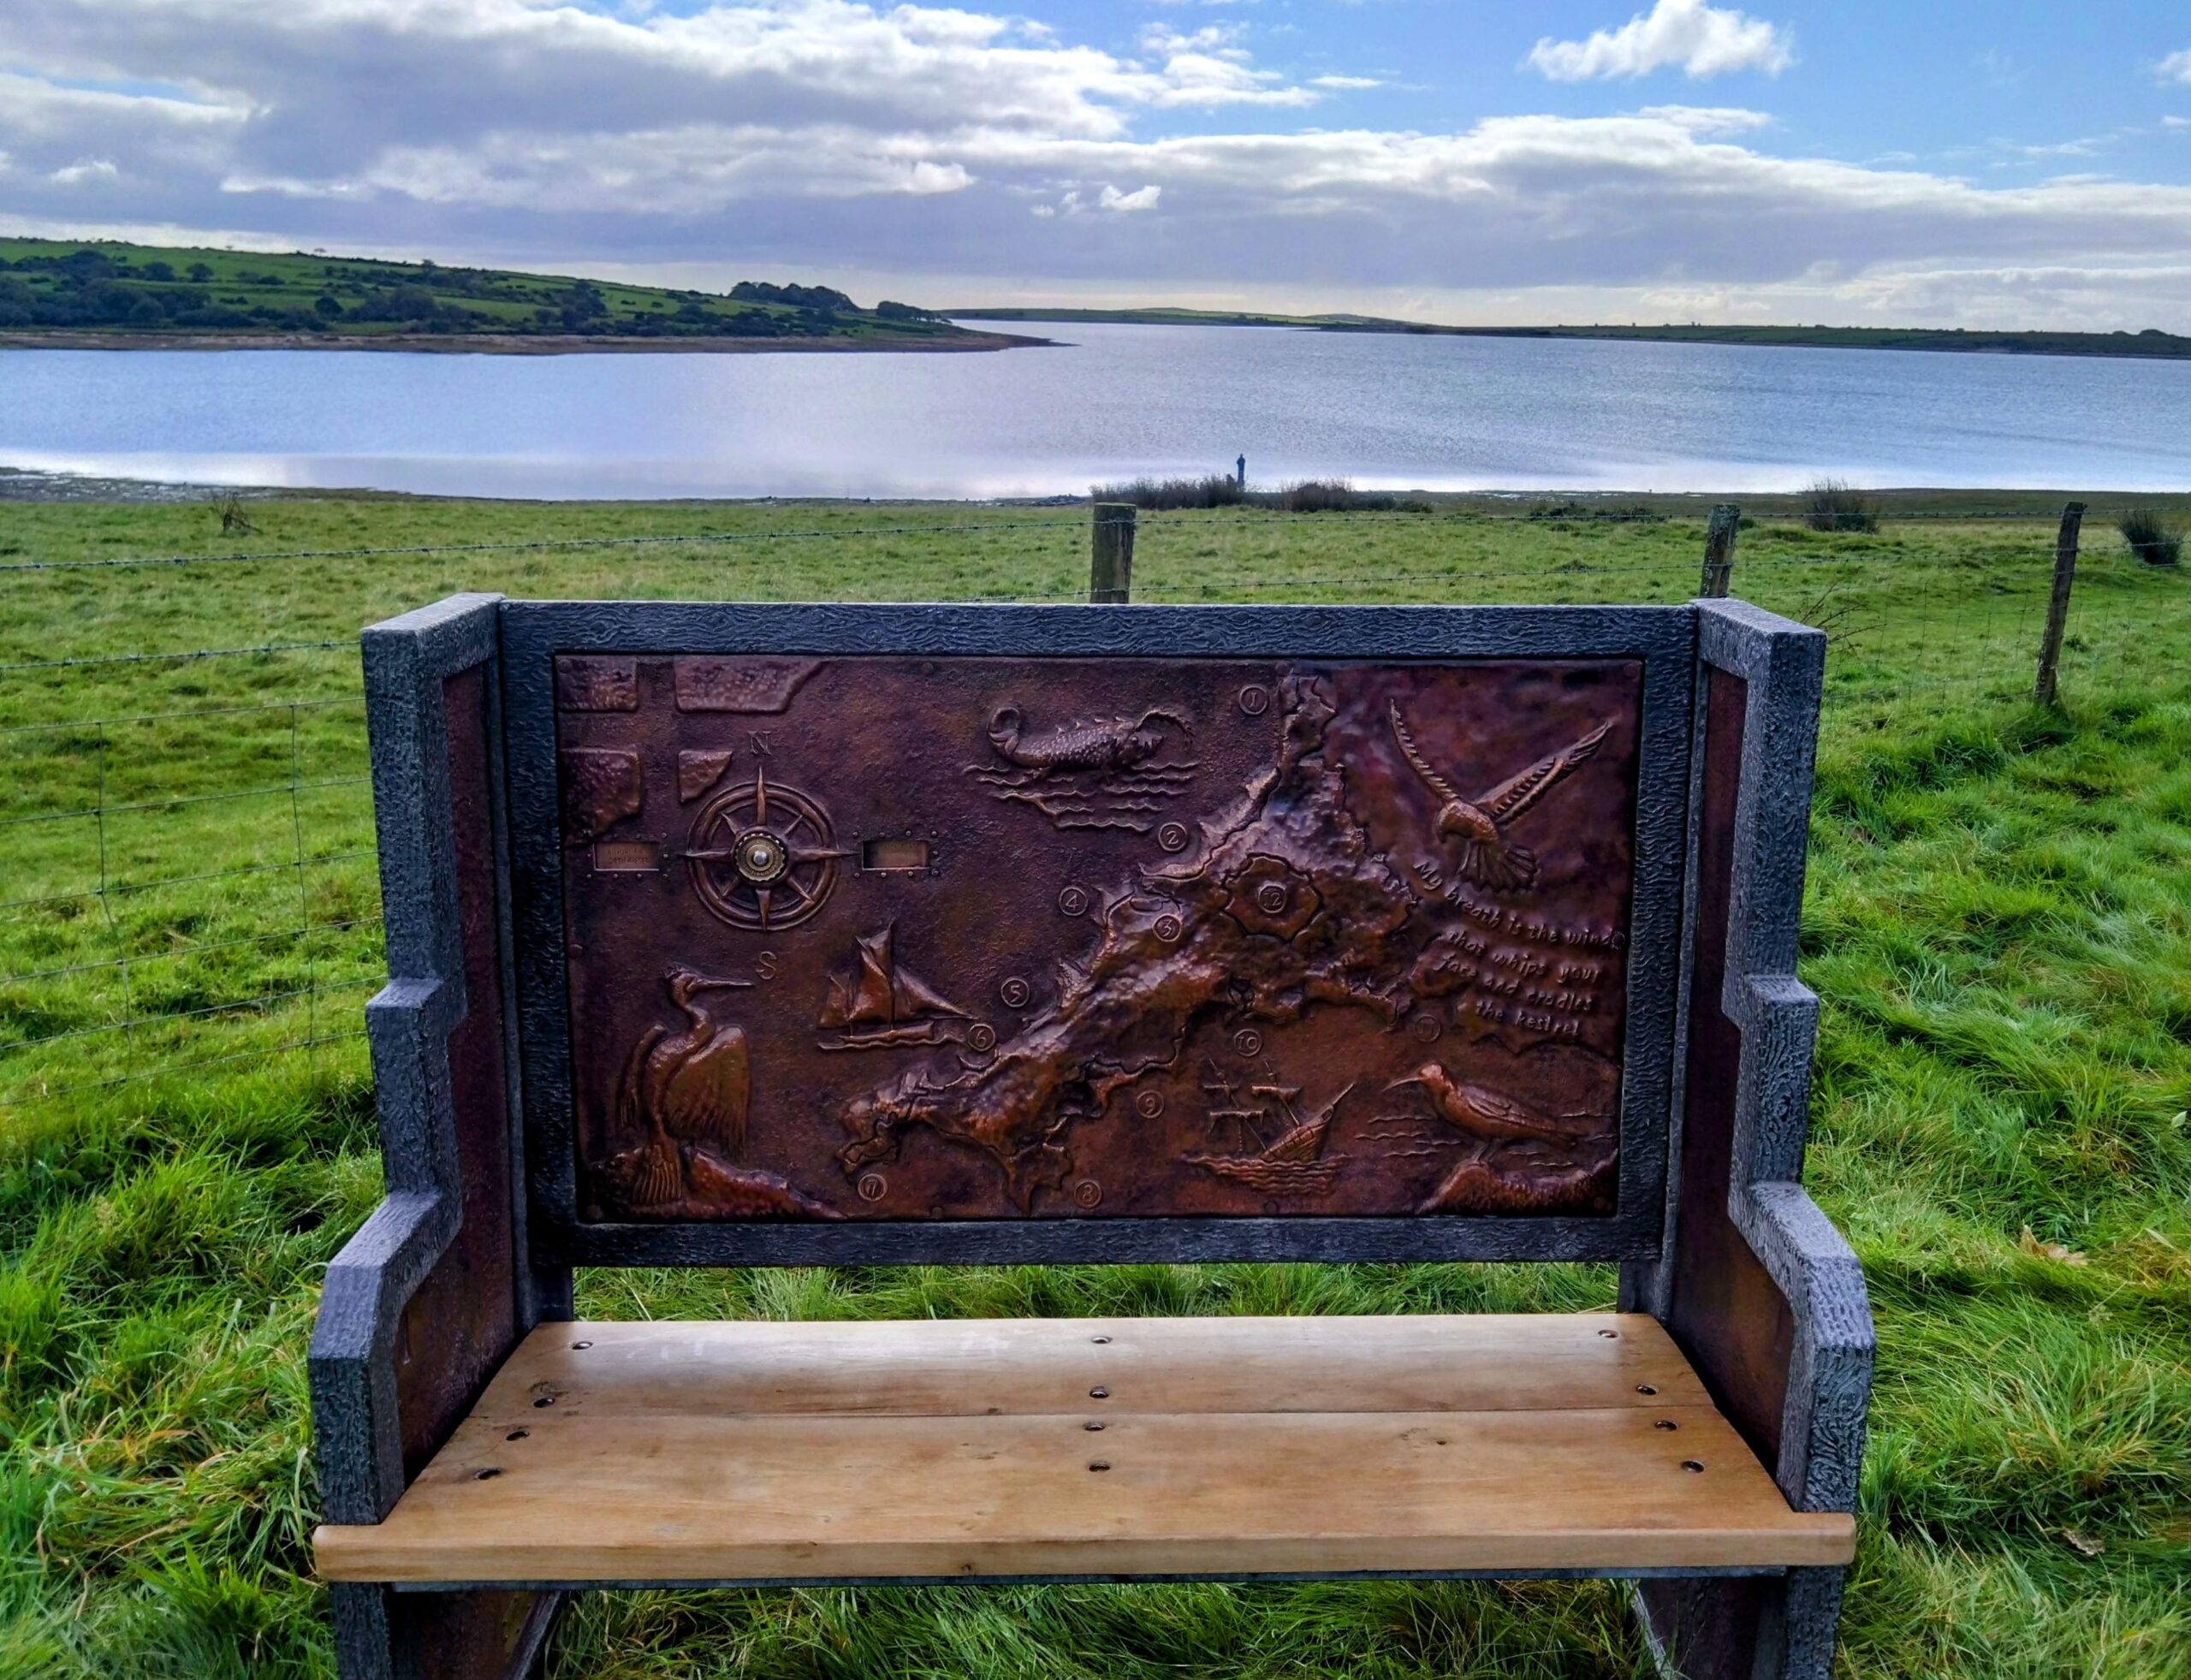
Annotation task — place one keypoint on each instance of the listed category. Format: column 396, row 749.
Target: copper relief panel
column 892, row 938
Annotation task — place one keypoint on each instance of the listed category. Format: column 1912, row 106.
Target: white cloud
column 2176, row 122
column 87, row 168
column 1075, row 202
column 1345, row 83
column 2177, row 67
column 1702, row 40
column 1143, row 198
column 1211, row 67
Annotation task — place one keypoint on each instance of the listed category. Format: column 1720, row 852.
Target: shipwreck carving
column 1276, row 1148
column 1225, row 974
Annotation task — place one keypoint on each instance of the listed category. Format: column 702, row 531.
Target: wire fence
column 188, row 876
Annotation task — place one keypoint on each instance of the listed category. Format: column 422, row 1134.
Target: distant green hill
column 2151, row 343
column 117, row 293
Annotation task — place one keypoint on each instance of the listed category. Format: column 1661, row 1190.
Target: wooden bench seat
column 766, row 1452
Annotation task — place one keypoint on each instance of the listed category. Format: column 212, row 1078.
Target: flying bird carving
column 1487, row 857
column 691, row 1087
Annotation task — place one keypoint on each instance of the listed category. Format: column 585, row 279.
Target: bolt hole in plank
column 1092, row 1426
column 581, row 1346
column 1100, row 1465
column 517, row 1434
column 1666, row 1423
column 1694, row 1467
column 489, row 1473
column 1646, row 1389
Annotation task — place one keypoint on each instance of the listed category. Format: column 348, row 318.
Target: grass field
column 1999, row 925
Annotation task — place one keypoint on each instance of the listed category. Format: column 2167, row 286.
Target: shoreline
column 518, row 344
column 2010, row 342
column 22, row 485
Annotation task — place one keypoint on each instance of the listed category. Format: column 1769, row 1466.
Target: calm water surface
column 1451, row 413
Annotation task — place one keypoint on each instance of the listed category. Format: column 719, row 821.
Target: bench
column 788, row 935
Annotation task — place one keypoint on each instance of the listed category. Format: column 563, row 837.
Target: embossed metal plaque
column 876, row 938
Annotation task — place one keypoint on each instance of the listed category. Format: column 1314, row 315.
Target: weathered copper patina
column 892, row 938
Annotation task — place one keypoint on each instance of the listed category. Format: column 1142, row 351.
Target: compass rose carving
column 763, row 856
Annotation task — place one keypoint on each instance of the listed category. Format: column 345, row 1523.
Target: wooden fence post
column 1110, row 570
column 1719, row 549
column 2047, row 691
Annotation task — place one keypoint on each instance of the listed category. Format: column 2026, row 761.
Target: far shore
column 513, row 344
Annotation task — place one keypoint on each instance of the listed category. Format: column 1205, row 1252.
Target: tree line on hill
column 93, row 289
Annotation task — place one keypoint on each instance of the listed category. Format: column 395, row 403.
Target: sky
column 2015, row 163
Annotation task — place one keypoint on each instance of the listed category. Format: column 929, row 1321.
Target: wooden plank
column 980, row 1367
column 721, row 1452
column 679, row 1497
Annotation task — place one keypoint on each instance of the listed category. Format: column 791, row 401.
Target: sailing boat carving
column 1295, row 1164
column 881, row 1005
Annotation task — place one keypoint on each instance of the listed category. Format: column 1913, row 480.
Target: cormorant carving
column 692, row 1087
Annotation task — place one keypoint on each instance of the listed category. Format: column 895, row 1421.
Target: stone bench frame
column 473, row 1247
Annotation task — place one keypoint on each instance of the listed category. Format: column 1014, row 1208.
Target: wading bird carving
column 1491, row 1118
column 1487, row 857
column 691, row 1087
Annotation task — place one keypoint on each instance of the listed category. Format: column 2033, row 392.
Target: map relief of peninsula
column 971, row 938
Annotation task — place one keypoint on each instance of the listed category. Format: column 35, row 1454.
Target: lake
column 1432, row 414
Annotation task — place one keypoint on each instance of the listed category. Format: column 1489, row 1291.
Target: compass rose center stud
column 761, row 858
